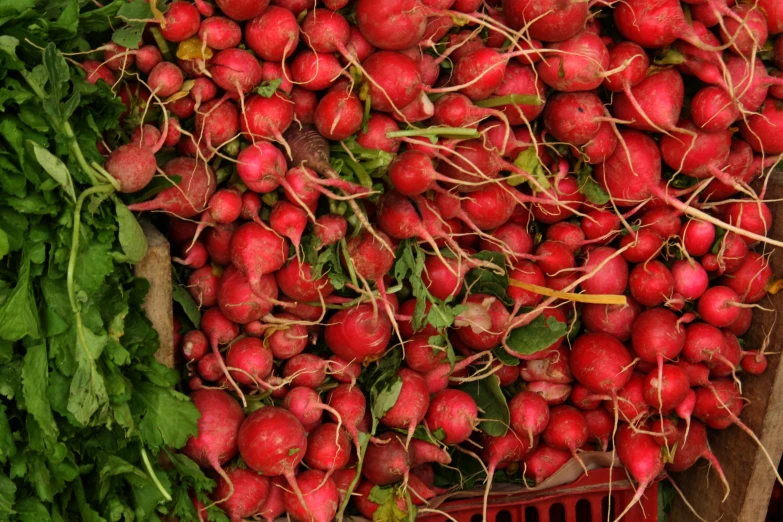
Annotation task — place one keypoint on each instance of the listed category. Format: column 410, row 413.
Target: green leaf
column 589, row 187
column 269, row 88
column 132, row 238
column 491, row 401
column 57, row 69
column 7, row 496
column 538, row 335
column 7, row 444
column 528, row 161
column 168, row 418
column 384, row 383
column 88, row 389
column 54, row 167
column 188, row 304
column 486, row 281
column 134, row 13
column 5, row 247
column 18, row 315
column 35, row 381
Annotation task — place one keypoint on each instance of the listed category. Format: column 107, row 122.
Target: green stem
column 100, row 170
column 371, row 166
column 163, row 45
column 364, row 179
column 435, row 131
column 153, row 476
column 363, row 449
column 511, row 99
column 349, row 264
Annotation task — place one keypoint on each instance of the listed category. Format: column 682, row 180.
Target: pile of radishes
column 335, row 166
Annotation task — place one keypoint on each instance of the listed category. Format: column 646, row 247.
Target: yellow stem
column 579, row 298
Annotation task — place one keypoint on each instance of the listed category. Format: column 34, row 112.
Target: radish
column 241, row 302
column 182, row 21
column 543, row 462
column 657, row 336
column 651, row 283
column 600, row 224
column 752, row 280
column 578, row 64
column 209, row 367
column 396, row 81
column 273, row 442
column 194, row 345
column 482, row 325
column 550, row 20
column 350, row 406
column 690, row 279
column 642, row 245
column 305, row 404
column 600, row 425
column 654, row 24
column 567, row 430
column 274, row 34
column 751, row 216
column 693, row 445
column 218, row 431
column 328, row 448
column 256, row 251
column 713, row 110
column 667, row 90
column 513, row 239
column 147, row 57
column 267, row 118
column 261, row 166
column 499, row 453
column 288, row 221
column 219, row 32
column 315, row 71
column 664, row 390
column 615, row 370
column 305, row 369
column 218, row 240
column 718, row 306
column 245, row 492
column 392, row 25
column 357, row 333
column 338, row 115
column 420, row 355
column 367, row 507
column 242, row 9
column 521, row 80
column 317, row 501
column 295, row 280
column 553, row 394
column 190, row 196
column 132, row 165
column 615, row 320
column 584, row 110
column 290, row 339
column 642, row 457
column 249, row 361
column 553, row 367
column 387, row 461
column 748, row 34
column 330, row 228
column 273, row 506
column 454, row 412
column 411, row 405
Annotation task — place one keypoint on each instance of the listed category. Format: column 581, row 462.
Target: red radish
column 117, row 57
column 349, row 402
column 411, row 405
column 145, row 136
column 665, row 390
column 553, row 394
column 257, row 251
column 274, row 34
column 305, row 404
column 242, row 302
column 132, row 165
column 396, row 80
column 641, row 456
column 317, row 501
column 742, row 324
column 249, row 361
column 526, row 272
column 387, row 461
column 690, row 279
column 95, row 71
column 305, row 369
column 761, row 130
column 218, row 431
column 267, row 118
column 344, row 371
column 443, row 279
column 482, row 324
column 748, row 34
column 550, row 20
column 611, row 278
column 357, row 333
column 633, row 63
column 693, row 445
column 235, row 70
column 610, row 376
column 288, row 341
column 600, row 224
column 203, row 285
column 367, row 507
column 182, row 21
column 499, row 453
column 713, row 110
column 147, row 57
column 544, row 461
column 375, row 137
column 718, row 306
column 643, row 245
column 288, row 221
column 754, row 363
column 295, row 280
column 653, row 24
column 343, row 479
column 525, row 81
column 261, row 167
column 750, row 215
column 657, row 336
column 315, row 71
column 420, row 355
column 217, row 240
column 219, row 32
column 273, row 506
column 585, row 110
column 551, row 368
column 666, row 88
column 616, row 320
column 242, row 9
column 753, row 279
column 338, row 115
column 651, row 283
column 697, row 237
column 209, row 367
column 330, row 228
column 190, row 196
column 454, row 412
column 584, row 399
column 392, row 25
column 273, row 442
column 567, row 430
column 600, row 426
column 328, row 448
column 194, row 345
column 245, row 492
column 566, row 192
column 578, row 64
column 225, row 206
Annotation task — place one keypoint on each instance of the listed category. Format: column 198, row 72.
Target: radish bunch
column 383, row 224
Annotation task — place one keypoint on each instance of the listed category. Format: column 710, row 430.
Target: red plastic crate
column 586, row 500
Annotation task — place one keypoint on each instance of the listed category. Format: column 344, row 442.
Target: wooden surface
column 749, row 472
column 156, row 268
